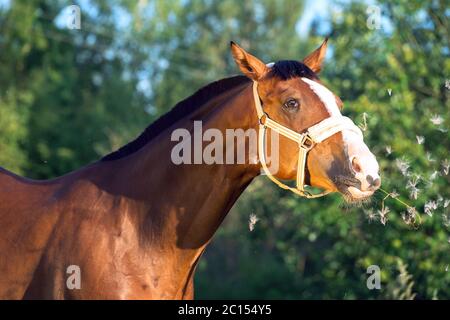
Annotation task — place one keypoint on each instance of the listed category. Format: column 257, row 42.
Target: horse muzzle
column 365, row 178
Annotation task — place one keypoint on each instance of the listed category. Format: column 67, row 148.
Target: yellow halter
column 306, row 141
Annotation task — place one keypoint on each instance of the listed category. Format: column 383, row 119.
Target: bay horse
column 136, row 224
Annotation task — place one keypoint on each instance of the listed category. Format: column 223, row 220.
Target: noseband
column 306, row 141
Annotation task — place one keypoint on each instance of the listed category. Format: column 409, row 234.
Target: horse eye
column 291, row 104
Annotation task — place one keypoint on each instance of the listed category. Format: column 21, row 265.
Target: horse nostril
column 375, row 183
column 356, row 165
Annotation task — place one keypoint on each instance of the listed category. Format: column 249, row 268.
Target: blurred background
column 69, row 96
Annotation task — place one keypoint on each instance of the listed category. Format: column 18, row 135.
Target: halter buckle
column 263, row 119
column 307, row 143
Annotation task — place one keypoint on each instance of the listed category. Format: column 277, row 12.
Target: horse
column 136, row 224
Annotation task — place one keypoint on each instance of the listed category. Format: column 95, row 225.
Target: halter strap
column 306, row 141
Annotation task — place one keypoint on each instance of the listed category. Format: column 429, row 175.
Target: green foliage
column 402, row 288
column 69, row 96
column 12, row 130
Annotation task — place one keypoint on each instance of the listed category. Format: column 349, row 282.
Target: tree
column 71, row 89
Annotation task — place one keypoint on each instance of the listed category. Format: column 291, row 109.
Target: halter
column 306, row 141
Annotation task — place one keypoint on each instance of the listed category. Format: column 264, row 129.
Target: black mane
column 178, row 112
column 287, row 69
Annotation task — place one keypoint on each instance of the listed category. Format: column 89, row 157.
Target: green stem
column 388, row 193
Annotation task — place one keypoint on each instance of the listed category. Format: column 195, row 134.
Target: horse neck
column 183, row 205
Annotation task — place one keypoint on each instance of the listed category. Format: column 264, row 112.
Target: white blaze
column 326, row 96
column 356, row 148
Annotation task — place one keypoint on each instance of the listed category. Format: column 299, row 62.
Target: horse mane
column 287, row 69
column 178, row 112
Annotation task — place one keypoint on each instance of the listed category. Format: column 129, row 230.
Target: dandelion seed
column 434, row 175
column 429, row 207
column 414, row 192
column 413, row 182
column 403, row 166
column 406, row 218
column 412, row 211
column 447, row 84
column 429, row 157
column 446, row 166
column 437, row 119
column 383, row 213
column 371, row 216
column 446, row 221
column 420, row 139
column 363, row 125
column 394, row 194
column 253, row 219
column 410, row 216
column 446, row 203
column 412, row 186
column 388, row 150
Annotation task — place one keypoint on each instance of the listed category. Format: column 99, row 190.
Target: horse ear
column 251, row 66
column 314, row 60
